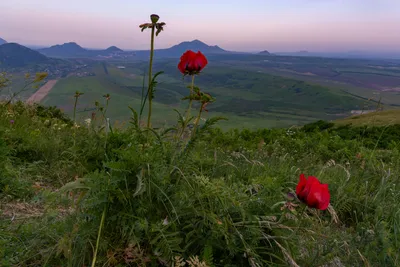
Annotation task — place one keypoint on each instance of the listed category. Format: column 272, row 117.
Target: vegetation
column 382, row 118
column 222, row 198
column 190, row 194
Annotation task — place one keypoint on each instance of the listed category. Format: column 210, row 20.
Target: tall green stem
column 103, row 216
column 190, row 100
column 150, row 89
column 197, row 120
column 187, row 115
column 75, row 104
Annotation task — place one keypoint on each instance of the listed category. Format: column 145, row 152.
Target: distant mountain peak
column 66, row 49
column 196, row 41
column 265, row 52
column 71, row 45
column 2, row 41
column 114, row 49
column 196, row 45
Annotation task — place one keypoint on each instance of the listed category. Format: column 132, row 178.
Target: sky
column 237, row 25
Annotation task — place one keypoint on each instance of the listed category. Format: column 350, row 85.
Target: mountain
column 177, row 50
column 15, row 55
column 195, row 45
column 73, row 50
column 2, row 41
column 265, row 53
column 113, row 49
column 65, row 50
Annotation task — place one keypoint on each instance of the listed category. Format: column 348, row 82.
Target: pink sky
column 314, row 25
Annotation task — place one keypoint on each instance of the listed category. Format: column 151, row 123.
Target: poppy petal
column 325, row 197
column 318, row 196
column 306, row 190
column 302, row 183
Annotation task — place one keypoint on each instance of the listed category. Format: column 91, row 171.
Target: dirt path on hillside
column 42, row 92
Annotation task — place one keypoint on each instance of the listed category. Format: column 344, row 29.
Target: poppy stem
column 189, row 108
column 150, row 89
column 191, row 99
column 197, row 120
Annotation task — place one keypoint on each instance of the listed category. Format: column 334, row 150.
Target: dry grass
column 15, row 211
column 379, row 118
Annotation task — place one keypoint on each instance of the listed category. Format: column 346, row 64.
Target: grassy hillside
column 140, row 198
column 380, row 118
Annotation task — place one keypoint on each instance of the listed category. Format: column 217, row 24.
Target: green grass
column 220, row 197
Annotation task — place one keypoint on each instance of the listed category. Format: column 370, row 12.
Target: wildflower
column 165, row 221
column 192, row 63
column 154, row 24
column 12, row 122
column 312, row 192
column 88, row 121
column 78, row 94
column 40, row 76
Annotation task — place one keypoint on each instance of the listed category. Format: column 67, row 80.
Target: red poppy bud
column 313, row 193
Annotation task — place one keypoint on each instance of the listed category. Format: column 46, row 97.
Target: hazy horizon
column 254, row 25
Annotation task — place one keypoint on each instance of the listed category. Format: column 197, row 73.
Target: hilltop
column 265, row 53
column 70, row 49
column 196, row 45
column 177, row 50
column 2, row 41
column 114, row 49
column 15, row 55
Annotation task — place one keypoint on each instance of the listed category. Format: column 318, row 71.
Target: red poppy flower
column 192, row 63
column 313, row 193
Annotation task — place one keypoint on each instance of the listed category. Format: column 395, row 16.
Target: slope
column 15, row 55
column 378, row 118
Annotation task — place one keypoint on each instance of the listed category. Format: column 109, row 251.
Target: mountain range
column 69, row 50
column 2, row 41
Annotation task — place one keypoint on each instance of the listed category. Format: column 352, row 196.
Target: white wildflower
column 88, row 121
